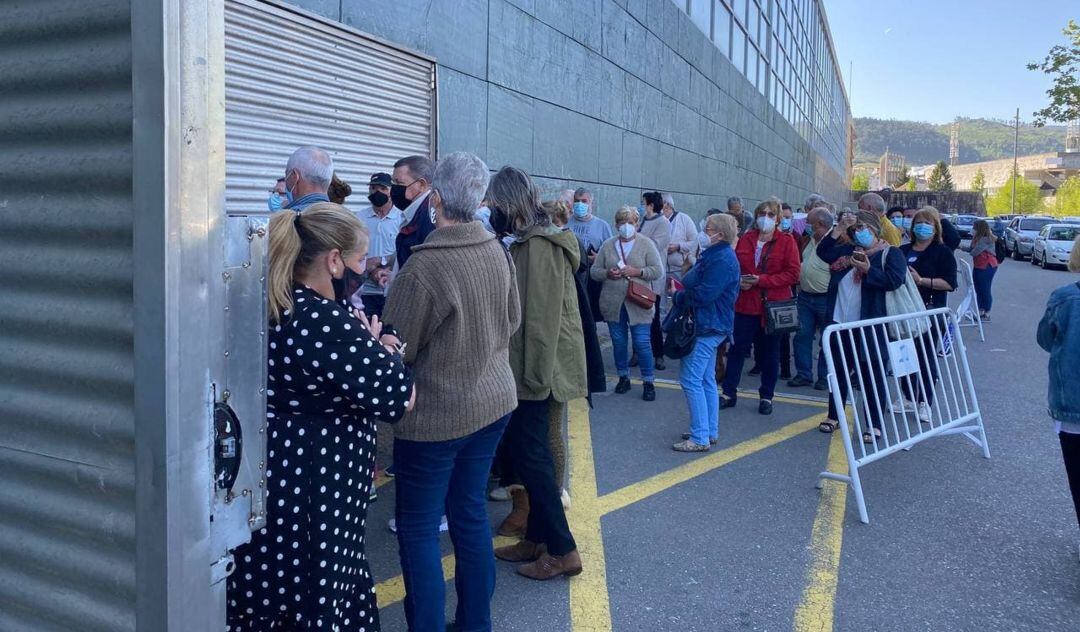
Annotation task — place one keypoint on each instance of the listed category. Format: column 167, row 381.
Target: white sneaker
column 565, row 500
column 499, row 494
column 924, row 413
column 903, row 405
column 443, row 525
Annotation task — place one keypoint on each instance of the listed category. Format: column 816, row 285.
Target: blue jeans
column 434, row 477
column 746, row 329
column 982, row 280
column 642, row 344
column 698, row 379
column 812, row 321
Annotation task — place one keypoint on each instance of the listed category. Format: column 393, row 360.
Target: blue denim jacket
column 1059, row 333
column 710, row 289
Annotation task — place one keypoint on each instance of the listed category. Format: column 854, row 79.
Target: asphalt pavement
column 737, row 539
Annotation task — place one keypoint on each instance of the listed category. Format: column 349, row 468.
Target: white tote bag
column 905, row 300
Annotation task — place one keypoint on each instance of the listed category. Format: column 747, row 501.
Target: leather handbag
column 781, row 317
column 638, row 293
column 679, row 330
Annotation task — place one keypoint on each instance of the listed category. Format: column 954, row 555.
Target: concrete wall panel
column 463, row 113
column 510, row 129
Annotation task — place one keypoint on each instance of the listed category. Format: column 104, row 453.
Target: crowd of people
column 462, row 308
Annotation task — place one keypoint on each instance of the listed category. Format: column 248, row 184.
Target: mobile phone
column 621, row 265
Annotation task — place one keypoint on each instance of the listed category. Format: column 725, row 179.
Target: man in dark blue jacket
column 409, row 191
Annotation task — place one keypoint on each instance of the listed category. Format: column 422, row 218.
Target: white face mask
column 766, row 224
column 627, row 231
column 703, row 241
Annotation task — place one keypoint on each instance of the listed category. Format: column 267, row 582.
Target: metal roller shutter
column 292, row 79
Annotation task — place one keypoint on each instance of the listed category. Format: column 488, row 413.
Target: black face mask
column 347, row 285
column 501, row 222
column 378, row 199
column 397, row 194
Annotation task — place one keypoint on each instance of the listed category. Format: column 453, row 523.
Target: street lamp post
column 1016, row 143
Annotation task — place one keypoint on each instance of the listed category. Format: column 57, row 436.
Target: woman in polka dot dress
column 332, row 373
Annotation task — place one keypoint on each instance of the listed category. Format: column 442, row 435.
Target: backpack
column 999, row 250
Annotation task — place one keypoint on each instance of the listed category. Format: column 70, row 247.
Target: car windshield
column 1034, row 224
column 966, row 220
column 1063, row 233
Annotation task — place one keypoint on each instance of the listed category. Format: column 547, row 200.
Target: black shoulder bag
column 781, row 317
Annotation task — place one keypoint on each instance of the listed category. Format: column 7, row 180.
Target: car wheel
column 1016, row 253
column 1042, row 262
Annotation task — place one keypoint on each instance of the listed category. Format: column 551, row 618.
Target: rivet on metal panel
column 226, row 308
column 225, row 276
column 246, row 264
column 261, row 391
column 226, row 353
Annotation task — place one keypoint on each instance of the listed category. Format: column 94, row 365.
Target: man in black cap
column 383, row 222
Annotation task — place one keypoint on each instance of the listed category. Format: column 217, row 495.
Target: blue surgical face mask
column 923, row 232
column 275, row 202
column 907, row 223
column 581, row 210
column 785, row 224
column 627, row 231
column 864, row 238
column 641, row 208
column 766, row 224
column 898, row 222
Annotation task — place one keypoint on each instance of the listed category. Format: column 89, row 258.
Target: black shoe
column 660, row 366
column 649, row 393
column 727, row 402
column 764, row 407
column 623, row 386
column 821, row 385
column 755, row 370
column 799, row 381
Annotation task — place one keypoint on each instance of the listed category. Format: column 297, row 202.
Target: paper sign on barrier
column 902, row 357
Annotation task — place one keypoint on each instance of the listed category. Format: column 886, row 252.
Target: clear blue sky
column 933, row 60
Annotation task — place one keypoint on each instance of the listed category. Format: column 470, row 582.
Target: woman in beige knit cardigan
column 629, row 257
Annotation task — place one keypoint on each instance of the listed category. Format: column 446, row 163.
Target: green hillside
column 925, row 143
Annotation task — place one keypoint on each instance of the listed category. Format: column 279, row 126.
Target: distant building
column 890, row 168
column 1049, row 171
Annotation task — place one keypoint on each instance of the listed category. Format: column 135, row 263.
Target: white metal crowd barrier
column 913, row 381
column 967, row 312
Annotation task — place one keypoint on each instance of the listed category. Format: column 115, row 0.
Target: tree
column 1028, row 198
column 978, row 183
column 940, row 178
column 911, row 184
column 860, row 181
column 905, row 176
column 1063, row 64
column 1067, row 201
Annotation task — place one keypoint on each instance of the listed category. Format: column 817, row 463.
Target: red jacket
column 781, row 256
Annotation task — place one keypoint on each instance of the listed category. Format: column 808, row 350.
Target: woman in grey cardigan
column 456, row 304
column 629, row 257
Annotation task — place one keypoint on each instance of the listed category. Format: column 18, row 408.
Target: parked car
column 965, row 225
column 1053, row 245
column 1021, row 232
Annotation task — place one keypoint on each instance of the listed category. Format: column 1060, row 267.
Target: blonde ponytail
column 297, row 238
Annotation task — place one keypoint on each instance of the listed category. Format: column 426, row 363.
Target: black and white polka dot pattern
column 328, row 381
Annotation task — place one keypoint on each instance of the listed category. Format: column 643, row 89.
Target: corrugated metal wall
column 67, row 537
column 291, row 80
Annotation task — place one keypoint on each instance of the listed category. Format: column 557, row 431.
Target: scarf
column 843, row 263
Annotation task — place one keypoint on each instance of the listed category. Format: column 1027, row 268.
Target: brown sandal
column 829, row 426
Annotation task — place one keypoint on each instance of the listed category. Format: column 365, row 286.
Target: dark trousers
column 434, row 477
column 926, row 351
column 747, row 329
column 1070, row 452
column 982, row 280
column 527, row 447
column 656, row 334
column 785, row 354
column 867, row 365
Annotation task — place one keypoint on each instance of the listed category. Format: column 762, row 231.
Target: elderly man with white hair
column 684, row 239
column 307, row 177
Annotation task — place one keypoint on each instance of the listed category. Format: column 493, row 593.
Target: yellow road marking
column 391, row 591
column 815, row 610
column 631, row 494
column 590, row 609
